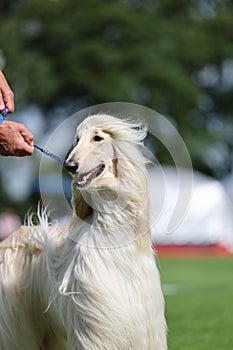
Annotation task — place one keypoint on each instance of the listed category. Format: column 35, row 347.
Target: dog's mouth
column 85, row 179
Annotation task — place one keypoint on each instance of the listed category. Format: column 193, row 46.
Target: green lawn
column 199, row 303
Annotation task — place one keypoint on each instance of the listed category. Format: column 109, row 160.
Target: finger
column 2, row 84
column 28, row 137
column 25, row 133
column 8, row 97
column 24, row 149
column 2, row 105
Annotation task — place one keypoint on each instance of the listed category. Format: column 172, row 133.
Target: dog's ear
column 131, row 172
column 80, row 208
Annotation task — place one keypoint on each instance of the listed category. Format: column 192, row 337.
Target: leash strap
column 3, row 116
column 45, row 151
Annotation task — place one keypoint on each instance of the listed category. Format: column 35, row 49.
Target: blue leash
column 4, row 115
column 45, row 151
column 64, row 162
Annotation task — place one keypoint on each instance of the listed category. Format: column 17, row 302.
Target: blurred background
column 175, row 57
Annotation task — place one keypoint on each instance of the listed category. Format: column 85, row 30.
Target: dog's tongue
column 83, row 179
column 86, row 178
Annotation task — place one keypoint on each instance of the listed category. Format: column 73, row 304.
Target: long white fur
column 93, row 285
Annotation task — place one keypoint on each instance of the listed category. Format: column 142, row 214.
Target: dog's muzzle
column 71, row 166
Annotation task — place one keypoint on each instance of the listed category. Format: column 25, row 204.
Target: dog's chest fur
column 109, row 287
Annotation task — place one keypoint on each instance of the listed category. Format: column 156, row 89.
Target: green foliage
column 147, row 52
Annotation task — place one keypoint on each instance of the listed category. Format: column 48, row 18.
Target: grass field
column 199, row 303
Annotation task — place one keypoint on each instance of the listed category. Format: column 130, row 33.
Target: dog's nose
column 71, row 166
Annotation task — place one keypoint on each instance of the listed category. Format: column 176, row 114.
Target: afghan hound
column 93, row 285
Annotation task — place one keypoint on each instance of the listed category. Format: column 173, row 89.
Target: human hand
column 15, row 140
column 6, row 95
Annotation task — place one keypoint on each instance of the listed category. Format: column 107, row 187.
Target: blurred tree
column 175, row 56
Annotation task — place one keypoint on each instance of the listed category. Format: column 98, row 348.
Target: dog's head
column 108, row 171
column 91, row 160
column 104, row 152
column 105, row 160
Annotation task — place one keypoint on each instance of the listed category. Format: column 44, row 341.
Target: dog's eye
column 97, row 138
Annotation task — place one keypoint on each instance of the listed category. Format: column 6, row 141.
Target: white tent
column 209, row 216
